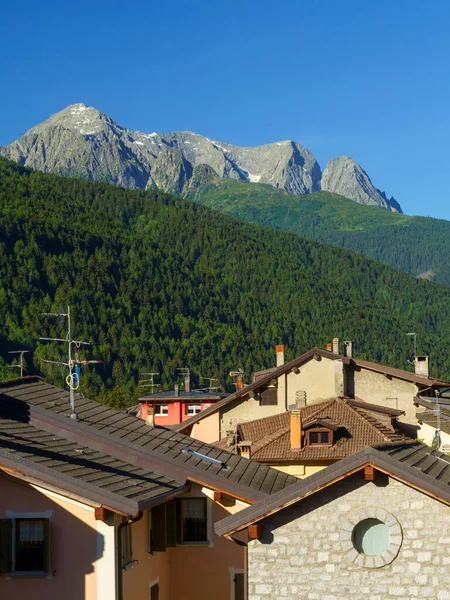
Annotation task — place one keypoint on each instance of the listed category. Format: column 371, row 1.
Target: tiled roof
column 356, row 428
column 80, row 469
column 264, row 377
column 414, row 463
column 125, row 437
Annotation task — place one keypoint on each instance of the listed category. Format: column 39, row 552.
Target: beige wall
column 393, row 393
column 188, row 571
column 206, row 430
column 301, row 471
column 73, row 544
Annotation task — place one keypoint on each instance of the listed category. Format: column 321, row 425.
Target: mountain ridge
column 85, row 142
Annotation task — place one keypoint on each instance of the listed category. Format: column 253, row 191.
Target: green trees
column 155, row 282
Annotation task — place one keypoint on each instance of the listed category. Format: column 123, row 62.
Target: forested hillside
column 156, row 282
column 417, row 245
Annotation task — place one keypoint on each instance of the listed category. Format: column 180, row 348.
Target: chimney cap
column 279, row 348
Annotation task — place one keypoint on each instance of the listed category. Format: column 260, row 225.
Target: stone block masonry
column 307, row 552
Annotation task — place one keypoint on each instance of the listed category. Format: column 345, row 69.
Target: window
column 161, row 410
column 371, row 537
column 154, row 592
column 24, row 546
column 193, row 409
column 127, row 549
column 193, row 520
column 269, row 397
column 318, row 437
column 180, row 521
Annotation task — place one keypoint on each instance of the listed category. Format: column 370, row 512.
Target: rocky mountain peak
column 346, row 177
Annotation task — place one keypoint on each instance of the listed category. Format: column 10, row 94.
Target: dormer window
column 319, row 437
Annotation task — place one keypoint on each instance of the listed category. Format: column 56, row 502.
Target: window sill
column 29, row 574
column 129, row 565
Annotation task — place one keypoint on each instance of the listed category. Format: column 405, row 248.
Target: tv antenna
column 21, row 364
column 211, row 387
column 73, row 361
column 149, row 382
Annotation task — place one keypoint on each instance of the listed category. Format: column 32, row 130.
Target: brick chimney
column 421, row 365
column 336, row 345
column 296, row 430
column 279, row 350
column 239, row 382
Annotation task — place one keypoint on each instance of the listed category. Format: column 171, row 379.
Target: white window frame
column 196, row 408
column 164, row 410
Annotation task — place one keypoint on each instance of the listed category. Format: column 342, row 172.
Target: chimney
column 239, row 382
column 296, row 430
column 300, row 399
column 150, row 420
column 176, row 390
column 348, row 349
column 245, row 449
column 336, row 345
column 280, row 355
column 421, row 365
column 329, row 347
column 187, row 383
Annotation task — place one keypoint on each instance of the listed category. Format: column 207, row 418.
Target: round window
column 371, row 537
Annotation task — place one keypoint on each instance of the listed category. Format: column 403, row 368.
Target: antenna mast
column 73, row 378
column 152, row 384
column 21, row 364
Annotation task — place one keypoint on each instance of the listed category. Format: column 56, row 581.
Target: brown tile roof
column 125, row 437
column 356, row 428
column 264, row 377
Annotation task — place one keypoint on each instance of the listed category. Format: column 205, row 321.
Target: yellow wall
column 426, row 433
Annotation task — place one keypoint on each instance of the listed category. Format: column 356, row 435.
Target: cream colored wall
column 301, row 471
column 207, row 430
column 426, row 433
column 73, row 544
column 393, row 393
column 319, row 379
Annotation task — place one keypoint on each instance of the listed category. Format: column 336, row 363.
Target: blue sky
column 367, row 79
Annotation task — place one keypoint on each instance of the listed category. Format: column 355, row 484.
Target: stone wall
column 306, row 552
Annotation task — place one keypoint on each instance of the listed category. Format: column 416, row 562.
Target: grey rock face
column 344, row 176
column 84, row 142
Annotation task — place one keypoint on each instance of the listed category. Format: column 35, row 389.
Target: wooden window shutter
column 47, row 545
column 171, row 524
column 5, row 545
column 269, row 397
column 239, row 586
column 158, row 530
